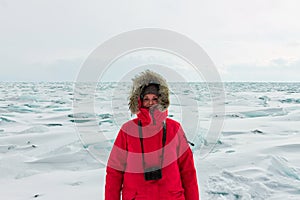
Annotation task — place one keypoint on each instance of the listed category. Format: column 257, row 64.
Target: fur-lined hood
column 144, row 79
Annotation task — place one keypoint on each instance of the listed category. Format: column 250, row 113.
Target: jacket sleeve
column 115, row 168
column 187, row 168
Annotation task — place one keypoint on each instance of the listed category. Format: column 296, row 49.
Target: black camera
column 153, row 173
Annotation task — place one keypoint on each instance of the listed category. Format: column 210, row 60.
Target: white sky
column 257, row 40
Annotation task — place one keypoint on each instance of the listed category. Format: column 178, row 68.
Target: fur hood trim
column 144, row 79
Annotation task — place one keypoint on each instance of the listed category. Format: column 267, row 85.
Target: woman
column 151, row 158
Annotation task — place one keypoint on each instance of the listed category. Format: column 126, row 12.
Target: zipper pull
column 152, row 115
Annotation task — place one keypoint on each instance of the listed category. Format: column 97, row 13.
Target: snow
column 49, row 152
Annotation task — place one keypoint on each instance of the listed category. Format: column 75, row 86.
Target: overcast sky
column 248, row 40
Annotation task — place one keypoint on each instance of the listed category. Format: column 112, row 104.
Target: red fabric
column 125, row 169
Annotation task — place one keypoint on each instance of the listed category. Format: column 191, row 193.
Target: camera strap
column 164, row 138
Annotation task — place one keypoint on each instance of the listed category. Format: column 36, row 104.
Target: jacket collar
column 151, row 116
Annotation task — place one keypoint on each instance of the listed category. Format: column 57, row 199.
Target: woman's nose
column 151, row 102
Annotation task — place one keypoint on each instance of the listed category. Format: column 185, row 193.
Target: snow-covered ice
column 42, row 157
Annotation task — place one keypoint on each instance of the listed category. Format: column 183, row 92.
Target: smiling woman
column 150, row 100
column 151, row 158
column 150, row 95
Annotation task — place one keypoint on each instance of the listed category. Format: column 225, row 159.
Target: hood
column 144, row 79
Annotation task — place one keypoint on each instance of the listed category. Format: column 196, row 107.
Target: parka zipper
column 152, row 115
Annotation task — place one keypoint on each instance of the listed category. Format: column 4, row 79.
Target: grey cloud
column 59, row 70
column 280, row 61
column 278, row 70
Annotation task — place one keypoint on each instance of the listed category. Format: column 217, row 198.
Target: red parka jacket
column 125, row 170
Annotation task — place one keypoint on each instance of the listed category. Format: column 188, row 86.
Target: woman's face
column 150, row 100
